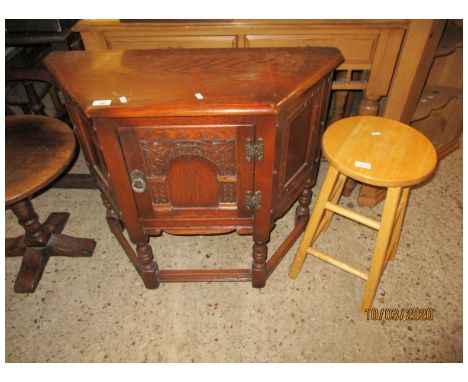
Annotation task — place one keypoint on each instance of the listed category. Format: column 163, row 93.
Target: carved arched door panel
column 182, row 171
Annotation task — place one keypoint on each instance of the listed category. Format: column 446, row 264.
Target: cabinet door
column 182, row 172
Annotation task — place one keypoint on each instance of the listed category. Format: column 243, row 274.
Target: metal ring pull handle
column 138, row 181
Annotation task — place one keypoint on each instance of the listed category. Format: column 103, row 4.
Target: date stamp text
column 399, row 314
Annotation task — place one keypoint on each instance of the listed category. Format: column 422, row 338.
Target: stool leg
column 314, row 221
column 334, row 198
column 400, row 217
column 383, row 238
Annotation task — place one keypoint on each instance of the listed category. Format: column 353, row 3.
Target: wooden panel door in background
column 358, row 47
column 144, row 40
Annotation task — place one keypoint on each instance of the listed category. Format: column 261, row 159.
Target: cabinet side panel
column 300, row 129
column 298, row 145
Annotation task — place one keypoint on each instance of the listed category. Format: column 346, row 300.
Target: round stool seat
column 379, row 151
column 37, row 150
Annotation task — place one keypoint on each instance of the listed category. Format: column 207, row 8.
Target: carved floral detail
column 228, row 193
column 158, row 153
column 159, row 193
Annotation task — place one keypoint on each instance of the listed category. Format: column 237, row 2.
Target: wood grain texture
column 314, row 221
column 144, row 25
column 373, row 47
column 439, row 113
column 214, row 150
column 370, row 45
column 412, row 68
column 337, row 263
column 37, row 150
column 397, row 154
column 157, row 83
column 381, row 246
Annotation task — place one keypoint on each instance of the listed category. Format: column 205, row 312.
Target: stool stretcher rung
column 337, row 263
column 352, row 215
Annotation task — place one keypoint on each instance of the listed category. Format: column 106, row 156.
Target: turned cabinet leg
column 148, row 267
column 143, row 260
column 259, row 271
column 112, row 218
column 302, row 210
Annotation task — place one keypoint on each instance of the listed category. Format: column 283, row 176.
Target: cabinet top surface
column 184, row 82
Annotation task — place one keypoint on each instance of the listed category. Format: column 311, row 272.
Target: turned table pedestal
column 37, row 150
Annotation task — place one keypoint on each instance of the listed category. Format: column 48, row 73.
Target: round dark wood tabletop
column 37, row 150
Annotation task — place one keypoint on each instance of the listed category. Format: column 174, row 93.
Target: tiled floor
column 97, row 310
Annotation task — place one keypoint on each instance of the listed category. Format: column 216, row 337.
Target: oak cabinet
column 200, row 141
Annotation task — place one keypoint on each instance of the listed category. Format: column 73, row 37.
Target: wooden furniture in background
column 37, row 83
column 439, row 112
column 363, row 148
column 29, row 41
column 386, row 60
column 203, row 141
column 37, row 150
column 53, row 33
column 27, row 83
column 32, row 79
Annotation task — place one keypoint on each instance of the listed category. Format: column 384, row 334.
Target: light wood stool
column 376, row 151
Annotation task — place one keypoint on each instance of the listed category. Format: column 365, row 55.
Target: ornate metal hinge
column 253, row 200
column 254, row 150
